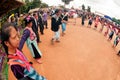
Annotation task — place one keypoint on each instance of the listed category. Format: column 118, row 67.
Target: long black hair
column 5, row 34
column 28, row 20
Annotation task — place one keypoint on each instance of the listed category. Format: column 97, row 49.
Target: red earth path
column 82, row 54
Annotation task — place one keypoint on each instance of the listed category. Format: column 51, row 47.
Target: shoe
column 52, row 40
column 58, row 41
column 39, row 41
column 63, row 33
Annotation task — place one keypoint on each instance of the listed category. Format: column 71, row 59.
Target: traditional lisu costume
column 30, row 38
column 21, row 68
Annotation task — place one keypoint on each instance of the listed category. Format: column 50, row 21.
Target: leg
column 38, row 38
column 46, row 24
column 41, row 28
column 118, row 52
column 57, row 36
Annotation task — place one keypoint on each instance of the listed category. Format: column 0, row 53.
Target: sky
column 107, row 7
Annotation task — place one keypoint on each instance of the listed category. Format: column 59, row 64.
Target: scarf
column 19, row 56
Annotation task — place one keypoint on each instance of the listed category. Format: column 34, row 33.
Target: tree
column 44, row 5
column 66, row 1
column 88, row 9
column 116, row 20
column 29, row 5
column 27, row 1
column 36, row 3
column 83, row 7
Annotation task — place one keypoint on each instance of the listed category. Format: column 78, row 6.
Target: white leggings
column 56, row 35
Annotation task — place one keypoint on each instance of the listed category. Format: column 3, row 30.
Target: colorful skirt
column 33, row 47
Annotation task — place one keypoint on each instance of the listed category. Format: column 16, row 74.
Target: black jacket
column 55, row 24
column 34, row 26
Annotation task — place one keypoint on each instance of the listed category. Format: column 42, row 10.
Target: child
column 30, row 38
column 102, row 24
column 75, row 17
column 111, row 33
column 117, row 39
column 108, row 27
column 18, row 63
column 96, row 22
column 64, row 22
column 83, row 19
column 89, row 22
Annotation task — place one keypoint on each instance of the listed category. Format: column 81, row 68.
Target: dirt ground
column 82, row 54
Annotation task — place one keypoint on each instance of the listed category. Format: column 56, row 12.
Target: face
column 14, row 39
column 30, row 24
column 119, row 34
column 36, row 17
column 58, row 13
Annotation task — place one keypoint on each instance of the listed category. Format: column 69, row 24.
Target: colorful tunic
column 30, row 38
column 26, row 71
column 116, row 40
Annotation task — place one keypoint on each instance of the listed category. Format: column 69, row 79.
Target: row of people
column 111, row 28
column 56, row 20
column 20, row 66
column 13, row 44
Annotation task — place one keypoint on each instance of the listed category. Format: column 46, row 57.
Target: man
column 40, row 22
column 44, row 16
column 35, row 26
column 55, row 23
column 83, row 19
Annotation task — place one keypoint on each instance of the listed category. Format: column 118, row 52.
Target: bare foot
column 39, row 61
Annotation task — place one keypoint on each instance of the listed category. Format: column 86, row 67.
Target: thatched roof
column 33, row 10
column 7, row 5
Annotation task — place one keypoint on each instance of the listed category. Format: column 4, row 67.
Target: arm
column 53, row 21
column 26, row 34
column 11, row 62
column 59, row 21
column 65, row 20
column 18, row 71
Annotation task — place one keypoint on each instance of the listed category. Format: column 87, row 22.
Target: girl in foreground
column 18, row 63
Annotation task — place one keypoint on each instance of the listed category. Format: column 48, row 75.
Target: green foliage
column 116, row 20
column 4, row 72
column 44, row 5
column 24, row 9
column 29, row 5
column 36, row 3
column 5, row 69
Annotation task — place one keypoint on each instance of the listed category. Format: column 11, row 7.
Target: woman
column 31, row 40
column 18, row 63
